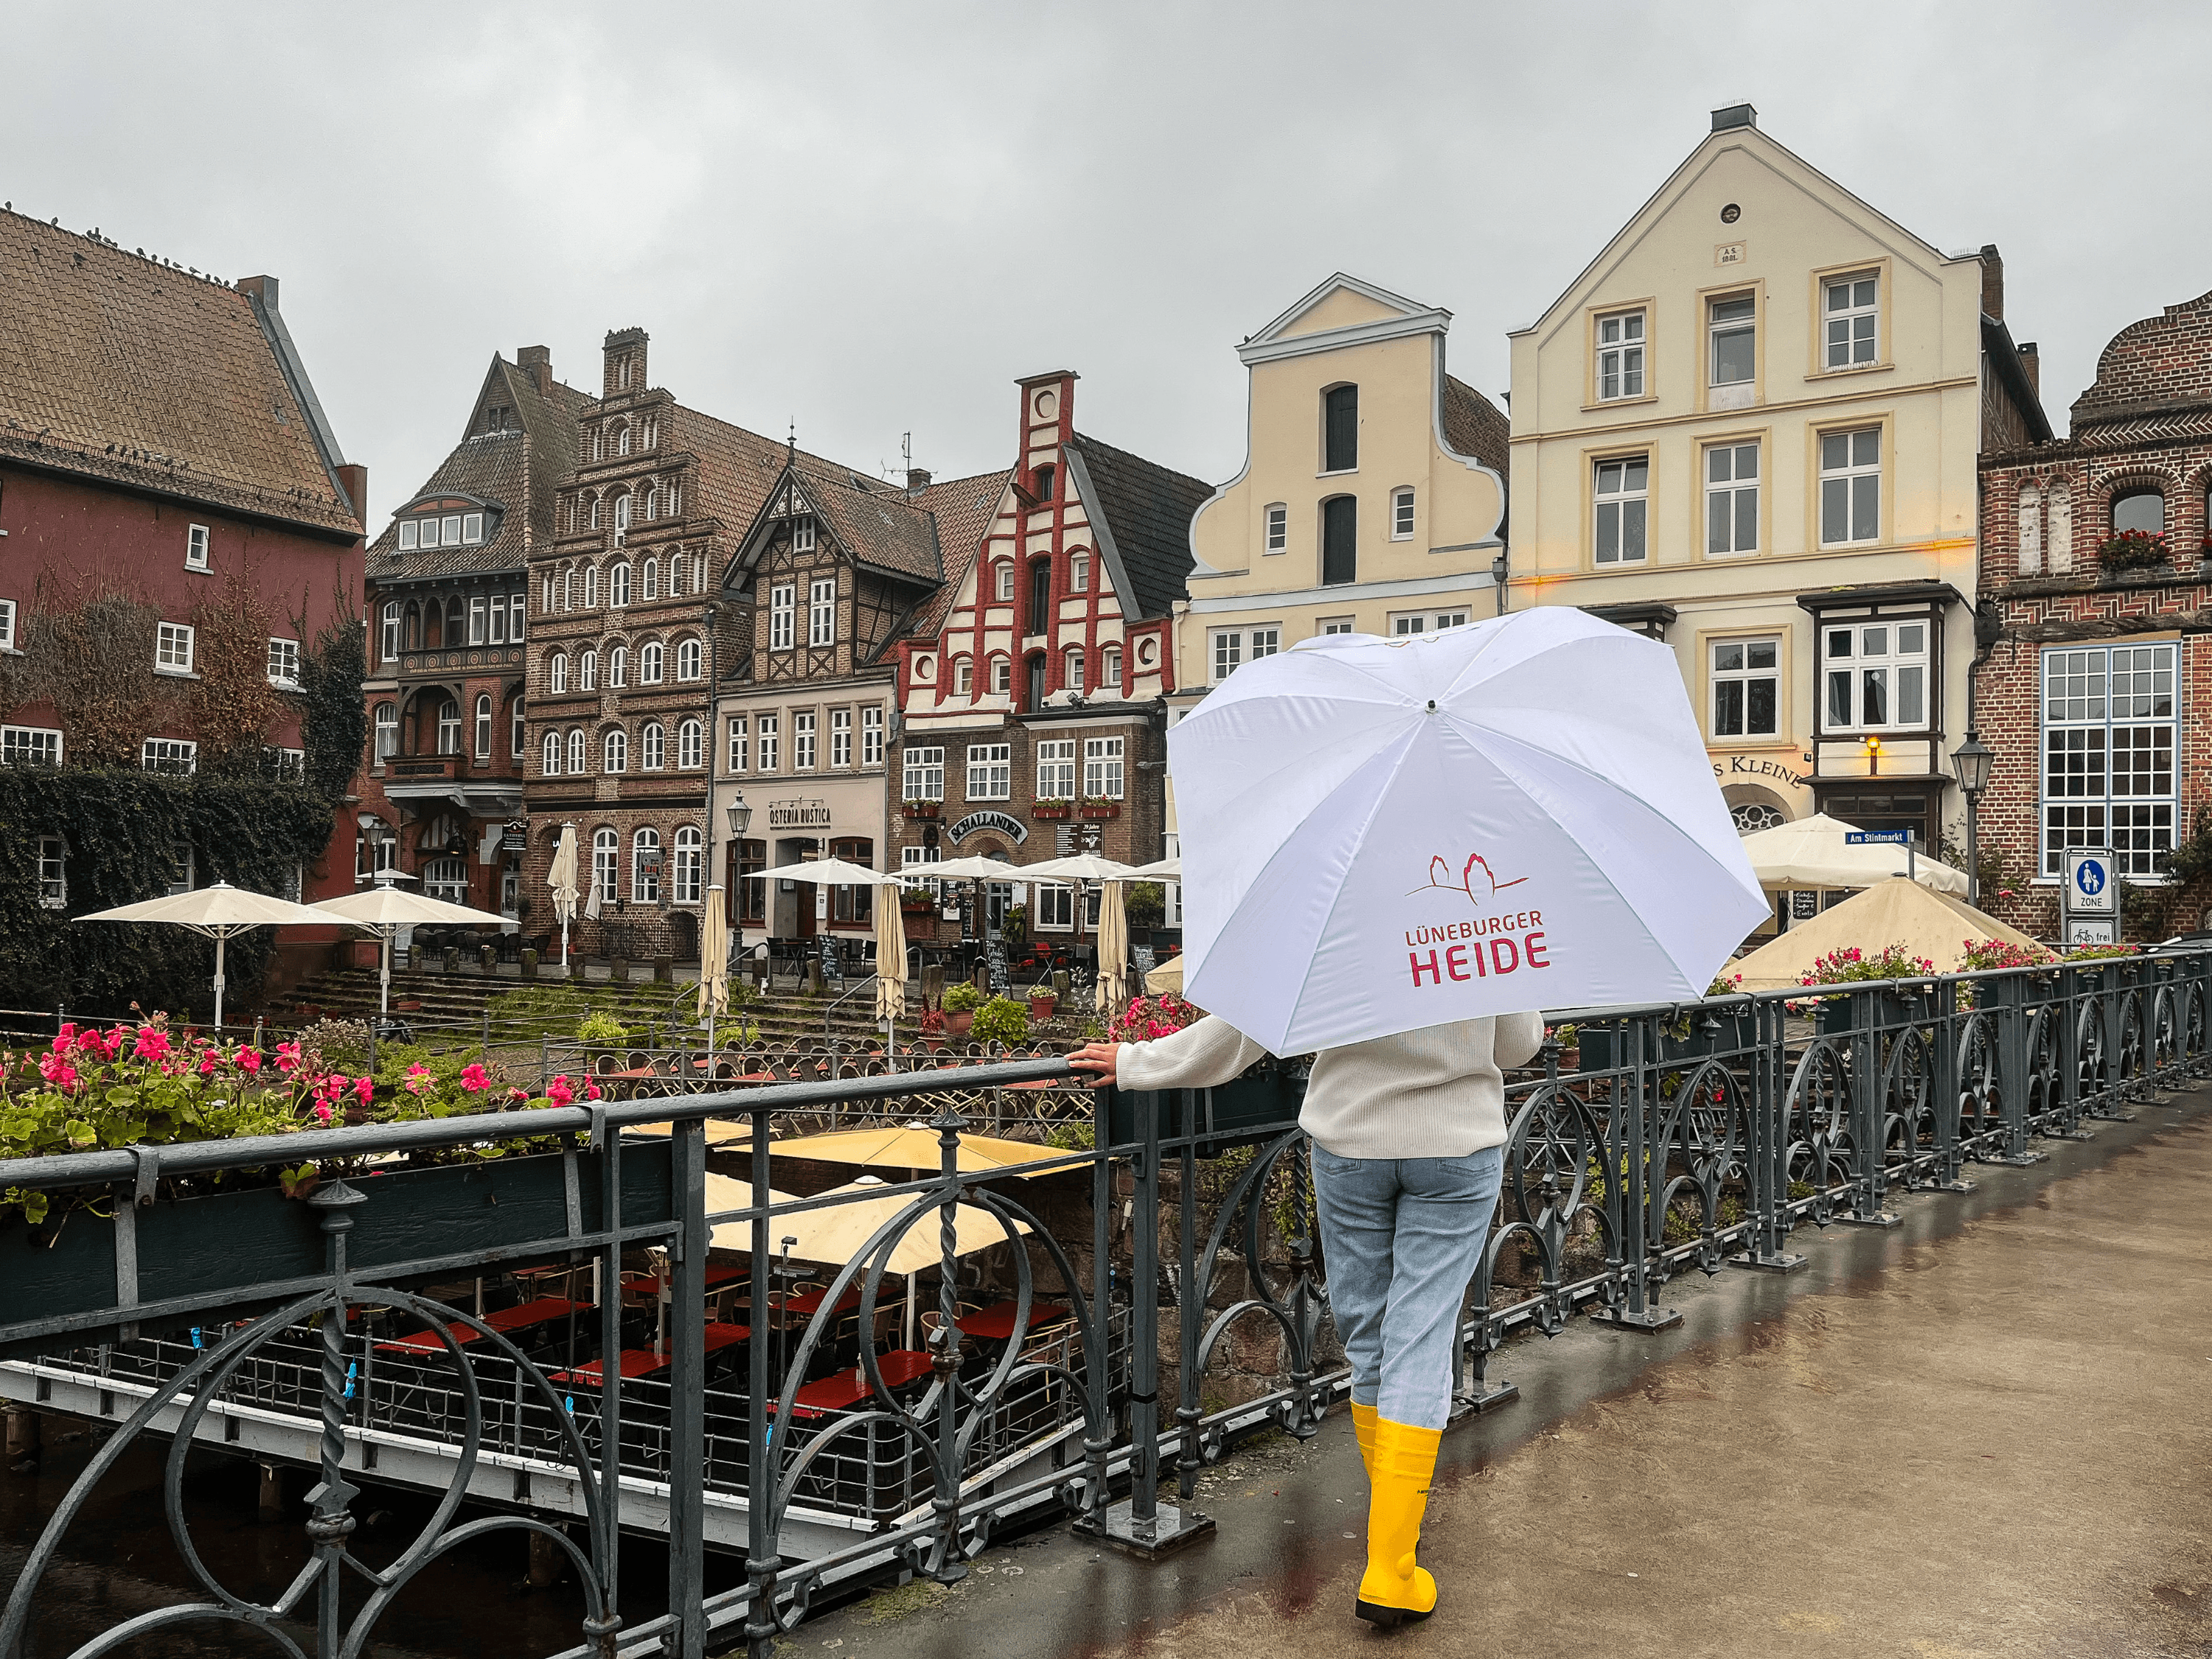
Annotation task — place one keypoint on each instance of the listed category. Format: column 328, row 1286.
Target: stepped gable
column 117, row 367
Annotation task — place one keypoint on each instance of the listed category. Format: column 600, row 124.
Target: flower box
column 241, row 1242
column 1048, row 809
column 918, row 809
column 1255, row 1106
column 1101, row 809
column 1604, row 1047
column 2134, row 549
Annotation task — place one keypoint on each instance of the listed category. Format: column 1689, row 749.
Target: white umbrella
column 833, row 872
column 561, row 879
column 965, row 869
column 216, row 912
column 1385, row 835
column 388, row 910
column 1081, row 867
column 1815, row 853
column 1162, row 870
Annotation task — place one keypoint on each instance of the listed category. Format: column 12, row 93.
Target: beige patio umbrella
column 561, row 881
column 217, row 913
column 1113, row 988
column 1926, row 923
column 912, row 1147
column 1166, row 980
column 1815, row 852
column 714, row 963
column 721, row 1132
column 890, row 961
column 1159, row 870
column 387, row 909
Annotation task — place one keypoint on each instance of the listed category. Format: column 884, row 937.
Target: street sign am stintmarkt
column 1878, row 838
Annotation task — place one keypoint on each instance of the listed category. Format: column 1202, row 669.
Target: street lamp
column 1971, row 761
column 1498, row 574
column 739, row 816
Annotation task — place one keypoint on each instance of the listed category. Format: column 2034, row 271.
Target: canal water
column 118, row 1561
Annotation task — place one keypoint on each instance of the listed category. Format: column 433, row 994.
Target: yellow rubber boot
column 1362, row 1430
column 1394, row 1590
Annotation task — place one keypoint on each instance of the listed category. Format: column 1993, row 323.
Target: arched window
column 391, row 631
column 587, row 672
column 1002, row 581
column 621, row 433
column 685, row 867
column 652, row 747
column 1044, row 484
column 1340, row 539
column 649, row 656
column 651, row 432
column 617, row 667
column 963, row 676
column 551, row 765
column 449, row 728
column 606, row 857
column 1002, row 675
column 688, row 662
column 483, row 725
column 2142, row 508
column 618, row 583
column 675, row 575
column 566, row 599
column 595, row 519
column 1340, row 422
column 1041, row 597
column 1073, row 675
column 690, row 740
column 387, row 730
column 649, row 580
column 517, row 741
column 590, row 586
column 557, row 673
column 414, row 626
column 598, row 448
column 577, row 750
column 615, row 755
column 1111, row 679
column 621, row 515
column 644, row 867
column 1035, row 698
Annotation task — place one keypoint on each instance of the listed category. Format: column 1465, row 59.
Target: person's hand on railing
column 1099, row 1059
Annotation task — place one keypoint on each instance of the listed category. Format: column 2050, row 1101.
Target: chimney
column 353, row 478
column 917, row 480
column 2031, row 363
column 1992, row 281
column 262, row 288
column 1735, row 115
column 537, row 361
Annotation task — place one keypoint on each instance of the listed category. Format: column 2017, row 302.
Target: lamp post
column 740, row 816
column 1971, row 761
column 1498, row 574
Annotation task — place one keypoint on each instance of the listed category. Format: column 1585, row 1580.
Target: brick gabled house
column 1032, row 703
column 447, row 607
column 2094, row 676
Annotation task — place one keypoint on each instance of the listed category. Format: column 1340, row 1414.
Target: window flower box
column 918, row 808
column 1101, row 809
column 1049, row 808
column 2134, row 549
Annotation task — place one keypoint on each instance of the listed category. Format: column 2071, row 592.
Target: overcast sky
column 869, row 219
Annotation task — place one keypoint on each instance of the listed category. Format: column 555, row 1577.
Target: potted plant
column 961, row 1002
column 2134, row 549
column 1848, row 965
column 918, row 808
column 1056, row 807
column 1568, row 1037
column 933, row 1030
column 1043, row 998
column 1100, row 808
column 1002, row 1020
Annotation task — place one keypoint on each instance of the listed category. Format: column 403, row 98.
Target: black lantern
column 1971, row 761
column 740, row 815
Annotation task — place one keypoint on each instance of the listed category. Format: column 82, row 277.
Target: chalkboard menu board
column 833, row 961
column 994, row 967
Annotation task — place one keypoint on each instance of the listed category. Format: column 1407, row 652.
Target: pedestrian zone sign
column 2092, row 886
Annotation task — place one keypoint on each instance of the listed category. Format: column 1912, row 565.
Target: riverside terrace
column 1700, row 1135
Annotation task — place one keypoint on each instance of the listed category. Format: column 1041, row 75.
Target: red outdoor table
column 809, row 1303
column 848, row 1389
column 996, row 1323
column 720, row 1335
column 635, row 1363
column 507, row 1322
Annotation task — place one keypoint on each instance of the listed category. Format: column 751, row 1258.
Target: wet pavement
column 1983, row 1434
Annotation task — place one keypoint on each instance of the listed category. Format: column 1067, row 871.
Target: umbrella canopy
column 714, row 957
column 910, row 1147
column 1383, row 835
column 1112, row 988
column 217, row 912
column 560, row 879
column 1160, row 869
column 1082, row 866
column 890, row 955
column 1166, row 980
column 388, row 909
column 833, row 1236
column 1813, row 853
column 1924, row 923
column 720, row 1131
column 967, row 870
column 834, row 872
column 728, row 1193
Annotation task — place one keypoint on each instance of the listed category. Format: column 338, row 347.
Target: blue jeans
column 1402, row 1237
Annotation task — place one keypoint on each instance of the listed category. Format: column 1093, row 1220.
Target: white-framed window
column 782, row 608
column 182, row 867
column 577, row 750
column 1235, row 646
column 518, row 608
column 1277, row 533
column 1053, row 907
column 2109, row 741
column 990, row 771
column 802, row 740
column 871, row 735
column 771, row 744
column 1877, row 676
column 652, row 659
column 483, row 725
column 1623, row 498
column 652, row 747
column 387, row 730
column 173, row 649
column 922, row 774
column 1055, row 769
column 286, row 765
column 1424, row 622
column 587, row 671
column 1002, row 676
column 617, row 667
column 690, row 746
column 690, row 660
column 1336, row 625
column 1078, row 573
column 1747, row 681
column 618, row 582
column 450, row 529
column 614, row 755
column 390, row 638
column 449, row 728
column 195, row 547
column 1401, row 514
column 495, row 629
column 606, row 860
column 1002, row 581
column 472, row 527
column 685, row 869
column 1101, row 768
column 284, row 662
column 446, row 879
column 1732, row 331
column 1732, row 498
column 518, row 739
column 840, row 737
column 590, row 586
column 802, row 534
column 822, row 610
column 549, row 763
column 1621, row 356
column 479, row 609
column 1850, row 313
column 169, row 755
column 53, row 874
column 740, row 744
column 30, row 745
column 557, row 673
column 1110, row 676
column 1071, row 670
column 912, row 858
column 649, row 580
column 1851, row 486
column 410, row 535
column 621, row 520
column 963, row 676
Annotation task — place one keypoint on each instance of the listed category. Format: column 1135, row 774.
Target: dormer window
column 442, row 530
column 496, row 417
column 802, row 535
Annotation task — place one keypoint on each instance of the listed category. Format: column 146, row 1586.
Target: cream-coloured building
column 1749, row 429
column 1372, row 498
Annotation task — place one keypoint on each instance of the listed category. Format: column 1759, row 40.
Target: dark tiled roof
column 518, row 469
column 114, row 367
column 1146, row 510
column 876, row 524
column 964, row 509
column 1475, row 426
column 737, row 468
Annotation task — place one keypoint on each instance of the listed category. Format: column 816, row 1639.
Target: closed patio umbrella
column 388, row 910
column 714, row 963
column 890, row 960
column 1113, row 989
column 561, row 881
column 217, row 912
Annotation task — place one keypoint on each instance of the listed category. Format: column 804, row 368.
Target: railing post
column 687, row 1443
column 329, row 1525
column 946, row 1564
column 761, row 1556
column 1190, row 1314
column 1766, row 1148
column 2013, row 1085
column 1098, row 1366
column 1949, row 1087
column 1869, row 1179
column 1629, row 1193
column 607, row 1547
column 2112, row 1087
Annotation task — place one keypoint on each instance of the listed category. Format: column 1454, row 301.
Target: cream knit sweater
column 1436, row 1092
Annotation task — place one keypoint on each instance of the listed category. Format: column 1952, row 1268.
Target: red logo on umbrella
column 1441, row 877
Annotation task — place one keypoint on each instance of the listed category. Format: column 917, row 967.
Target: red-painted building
column 179, row 534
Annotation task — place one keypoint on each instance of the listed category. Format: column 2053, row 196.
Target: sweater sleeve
column 1515, row 1039
column 1209, row 1052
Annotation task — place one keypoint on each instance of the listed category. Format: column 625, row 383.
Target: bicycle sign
column 2091, row 886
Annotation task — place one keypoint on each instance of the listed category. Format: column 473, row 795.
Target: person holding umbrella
column 1393, row 850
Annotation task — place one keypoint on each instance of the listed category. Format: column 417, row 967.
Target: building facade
column 447, row 609
column 2096, row 674
column 1033, row 695
column 1748, row 429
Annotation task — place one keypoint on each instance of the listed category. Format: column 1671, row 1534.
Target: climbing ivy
column 334, row 725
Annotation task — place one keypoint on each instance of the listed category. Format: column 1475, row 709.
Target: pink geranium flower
column 559, row 1091
column 322, row 1113
column 287, row 1058
column 152, row 1043
column 473, row 1079
column 57, row 1071
column 364, row 1087
column 249, row 1061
